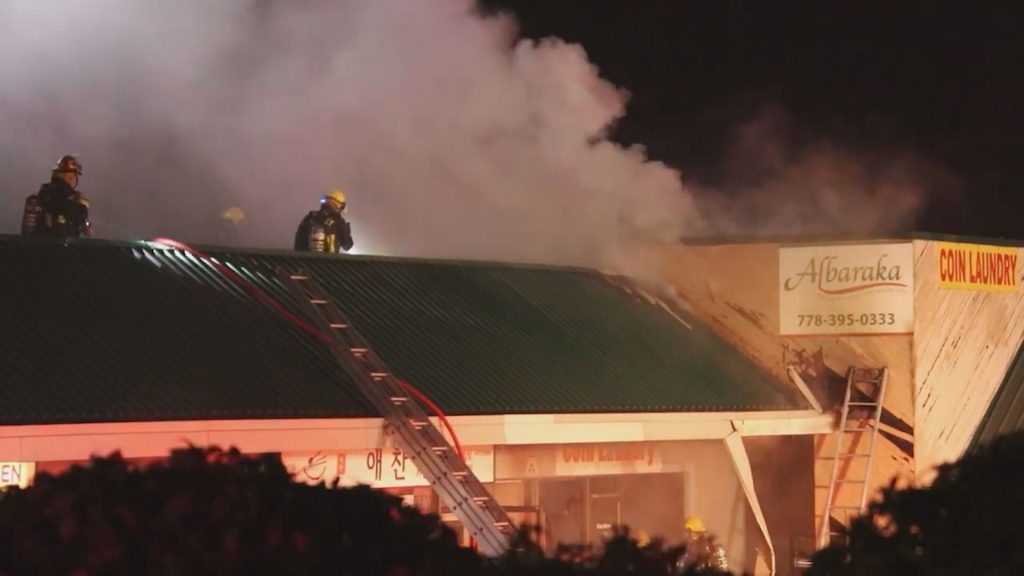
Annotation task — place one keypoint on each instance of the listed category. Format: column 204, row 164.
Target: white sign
column 377, row 467
column 17, row 473
column 863, row 289
column 598, row 459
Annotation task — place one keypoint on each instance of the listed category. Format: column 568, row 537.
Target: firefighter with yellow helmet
column 700, row 551
column 325, row 230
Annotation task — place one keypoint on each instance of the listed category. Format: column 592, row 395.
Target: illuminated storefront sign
column 16, row 473
column 976, row 267
column 857, row 289
column 600, row 459
column 378, row 467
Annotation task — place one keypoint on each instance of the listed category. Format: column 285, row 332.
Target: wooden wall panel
column 964, row 342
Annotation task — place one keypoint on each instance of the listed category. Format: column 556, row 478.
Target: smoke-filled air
column 450, row 136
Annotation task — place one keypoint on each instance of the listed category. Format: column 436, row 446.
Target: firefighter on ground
column 325, row 230
column 700, row 551
column 58, row 210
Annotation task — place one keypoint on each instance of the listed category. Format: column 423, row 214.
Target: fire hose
column 268, row 301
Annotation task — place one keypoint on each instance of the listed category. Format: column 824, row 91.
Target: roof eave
column 51, row 442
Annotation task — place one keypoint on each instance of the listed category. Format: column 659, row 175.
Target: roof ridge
column 279, row 252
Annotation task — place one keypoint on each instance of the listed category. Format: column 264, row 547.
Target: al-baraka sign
column 977, row 267
column 846, row 289
column 383, row 467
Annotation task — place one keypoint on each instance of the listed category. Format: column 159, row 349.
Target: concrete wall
column 784, row 479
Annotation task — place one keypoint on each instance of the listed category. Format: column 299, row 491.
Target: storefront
column 577, row 493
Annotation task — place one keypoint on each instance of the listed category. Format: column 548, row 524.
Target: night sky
column 942, row 81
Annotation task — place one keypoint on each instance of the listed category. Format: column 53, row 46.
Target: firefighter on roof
column 325, row 230
column 58, row 210
column 231, row 226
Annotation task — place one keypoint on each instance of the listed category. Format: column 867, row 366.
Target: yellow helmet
column 336, row 195
column 694, row 524
column 233, row 215
column 643, row 539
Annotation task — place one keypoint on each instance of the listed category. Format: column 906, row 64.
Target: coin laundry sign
column 981, row 268
column 863, row 289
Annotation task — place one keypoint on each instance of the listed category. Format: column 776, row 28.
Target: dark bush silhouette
column 966, row 523
column 207, row 511
column 215, row 512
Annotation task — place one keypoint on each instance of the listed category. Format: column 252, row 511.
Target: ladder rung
column 844, row 456
column 847, row 507
column 851, row 481
column 862, row 404
column 456, row 485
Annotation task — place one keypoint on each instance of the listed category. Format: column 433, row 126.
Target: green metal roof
column 100, row 331
column 1006, row 412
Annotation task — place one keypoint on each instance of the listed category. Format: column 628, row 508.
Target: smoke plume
column 451, row 137
column 777, row 180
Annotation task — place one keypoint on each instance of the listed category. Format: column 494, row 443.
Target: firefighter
column 231, row 226
column 325, row 230
column 58, row 210
column 700, row 551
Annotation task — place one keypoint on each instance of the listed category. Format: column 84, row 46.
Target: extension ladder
column 436, row 459
column 865, row 392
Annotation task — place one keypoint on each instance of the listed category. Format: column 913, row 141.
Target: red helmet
column 68, row 163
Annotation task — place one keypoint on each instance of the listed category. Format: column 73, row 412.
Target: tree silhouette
column 209, row 511
column 966, row 522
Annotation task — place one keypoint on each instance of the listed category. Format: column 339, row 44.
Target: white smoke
column 781, row 182
column 450, row 137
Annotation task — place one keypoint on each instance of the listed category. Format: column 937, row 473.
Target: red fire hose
column 269, row 302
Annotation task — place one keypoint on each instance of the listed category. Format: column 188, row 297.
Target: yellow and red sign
column 978, row 267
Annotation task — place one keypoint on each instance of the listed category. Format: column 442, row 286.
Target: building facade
column 582, row 401
column 944, row 315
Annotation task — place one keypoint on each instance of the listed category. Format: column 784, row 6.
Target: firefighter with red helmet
column 325, row 230
column 58, row 210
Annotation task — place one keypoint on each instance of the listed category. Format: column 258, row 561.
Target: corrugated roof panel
column 98, row 331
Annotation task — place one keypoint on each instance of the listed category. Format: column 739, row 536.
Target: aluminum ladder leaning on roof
column 433, row 455
column 869, row 385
